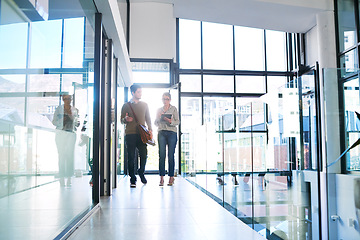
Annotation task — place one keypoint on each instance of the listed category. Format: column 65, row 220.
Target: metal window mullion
column 356, row 12
column 126, row 99
column 337, row 33
column 28, row 53
column 96, row 115
column 234, row 64
column 201, row 72
column 108, row 56
column 179, row 133
column 85, row 63
column 102, row 119
column 301, row 124
column 234, row 60
column 319, row 142
column 177, row 64
column 116, row 138
column 128, row 25
column 62, row 57
column 106, row 119
column 266, row 83
column 265, row 53
column 252, row 168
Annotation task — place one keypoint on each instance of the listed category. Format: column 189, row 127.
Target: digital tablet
column 165, row 115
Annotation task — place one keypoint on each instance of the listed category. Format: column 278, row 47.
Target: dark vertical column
column 96, row 116
column 128, row 25
column 252, row 168
column 115, row 141
column 202, row 73
column 177, row 66
column 319, row 143
column 301, row 165
column 102, row 120
column 126, row 99
column 179, row 134
column 108, row 122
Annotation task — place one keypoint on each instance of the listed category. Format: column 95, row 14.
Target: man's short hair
column 134, row 87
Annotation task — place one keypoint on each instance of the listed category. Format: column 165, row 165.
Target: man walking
column 132, row 136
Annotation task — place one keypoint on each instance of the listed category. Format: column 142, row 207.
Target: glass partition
column 248, row 157
column 46, row 102
column 263, row 159
column 342, row 110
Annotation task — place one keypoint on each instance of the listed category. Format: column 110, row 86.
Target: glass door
column 307, row 180
column 309, row 121
column 175, row 97
column 153, row 97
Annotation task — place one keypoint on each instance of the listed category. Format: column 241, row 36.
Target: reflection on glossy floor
column 43, row 212
column 152, row 212
column 266, row 201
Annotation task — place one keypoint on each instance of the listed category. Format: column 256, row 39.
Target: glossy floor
column 151, row 212
column 43, row 212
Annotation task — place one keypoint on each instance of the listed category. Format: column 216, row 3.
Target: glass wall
column 46, row 96
column 221, row 73
column 249, row 161
column 343, row 190
column 242, row 140
column 348, row 55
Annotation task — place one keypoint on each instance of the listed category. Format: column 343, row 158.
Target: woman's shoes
column 171, row 181
column 161, row 181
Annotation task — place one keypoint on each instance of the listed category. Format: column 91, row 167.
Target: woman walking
column 167, row 119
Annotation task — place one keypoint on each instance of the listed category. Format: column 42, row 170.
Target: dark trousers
column 132, row 142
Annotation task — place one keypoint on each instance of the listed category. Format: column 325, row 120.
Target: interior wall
column 320, row 41
column 152, row 31
column 348, row 224
column 311, row 45
column 321, row 4
column 320, row 46
column 10, row 14
column 123, row 13
column 311, row 177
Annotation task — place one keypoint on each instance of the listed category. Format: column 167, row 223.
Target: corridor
column 161, row 213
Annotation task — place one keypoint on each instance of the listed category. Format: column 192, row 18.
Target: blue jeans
column 132, row 142
column 167, row 138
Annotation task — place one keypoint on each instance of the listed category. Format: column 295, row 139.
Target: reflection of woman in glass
column 167, row 119
column 66, row 120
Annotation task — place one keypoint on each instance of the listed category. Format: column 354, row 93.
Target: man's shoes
column 133, row 185
column 235, row 181
column 143, row 179
column 220, row 181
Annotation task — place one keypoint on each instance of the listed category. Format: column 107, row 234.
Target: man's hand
column 151, row 134
column 158, row 116
column 127, row 118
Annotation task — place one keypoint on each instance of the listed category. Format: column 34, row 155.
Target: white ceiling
column 283, row 15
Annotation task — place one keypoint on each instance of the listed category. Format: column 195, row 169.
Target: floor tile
column 161, row 213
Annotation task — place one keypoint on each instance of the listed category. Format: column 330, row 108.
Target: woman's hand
column 167, row 119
